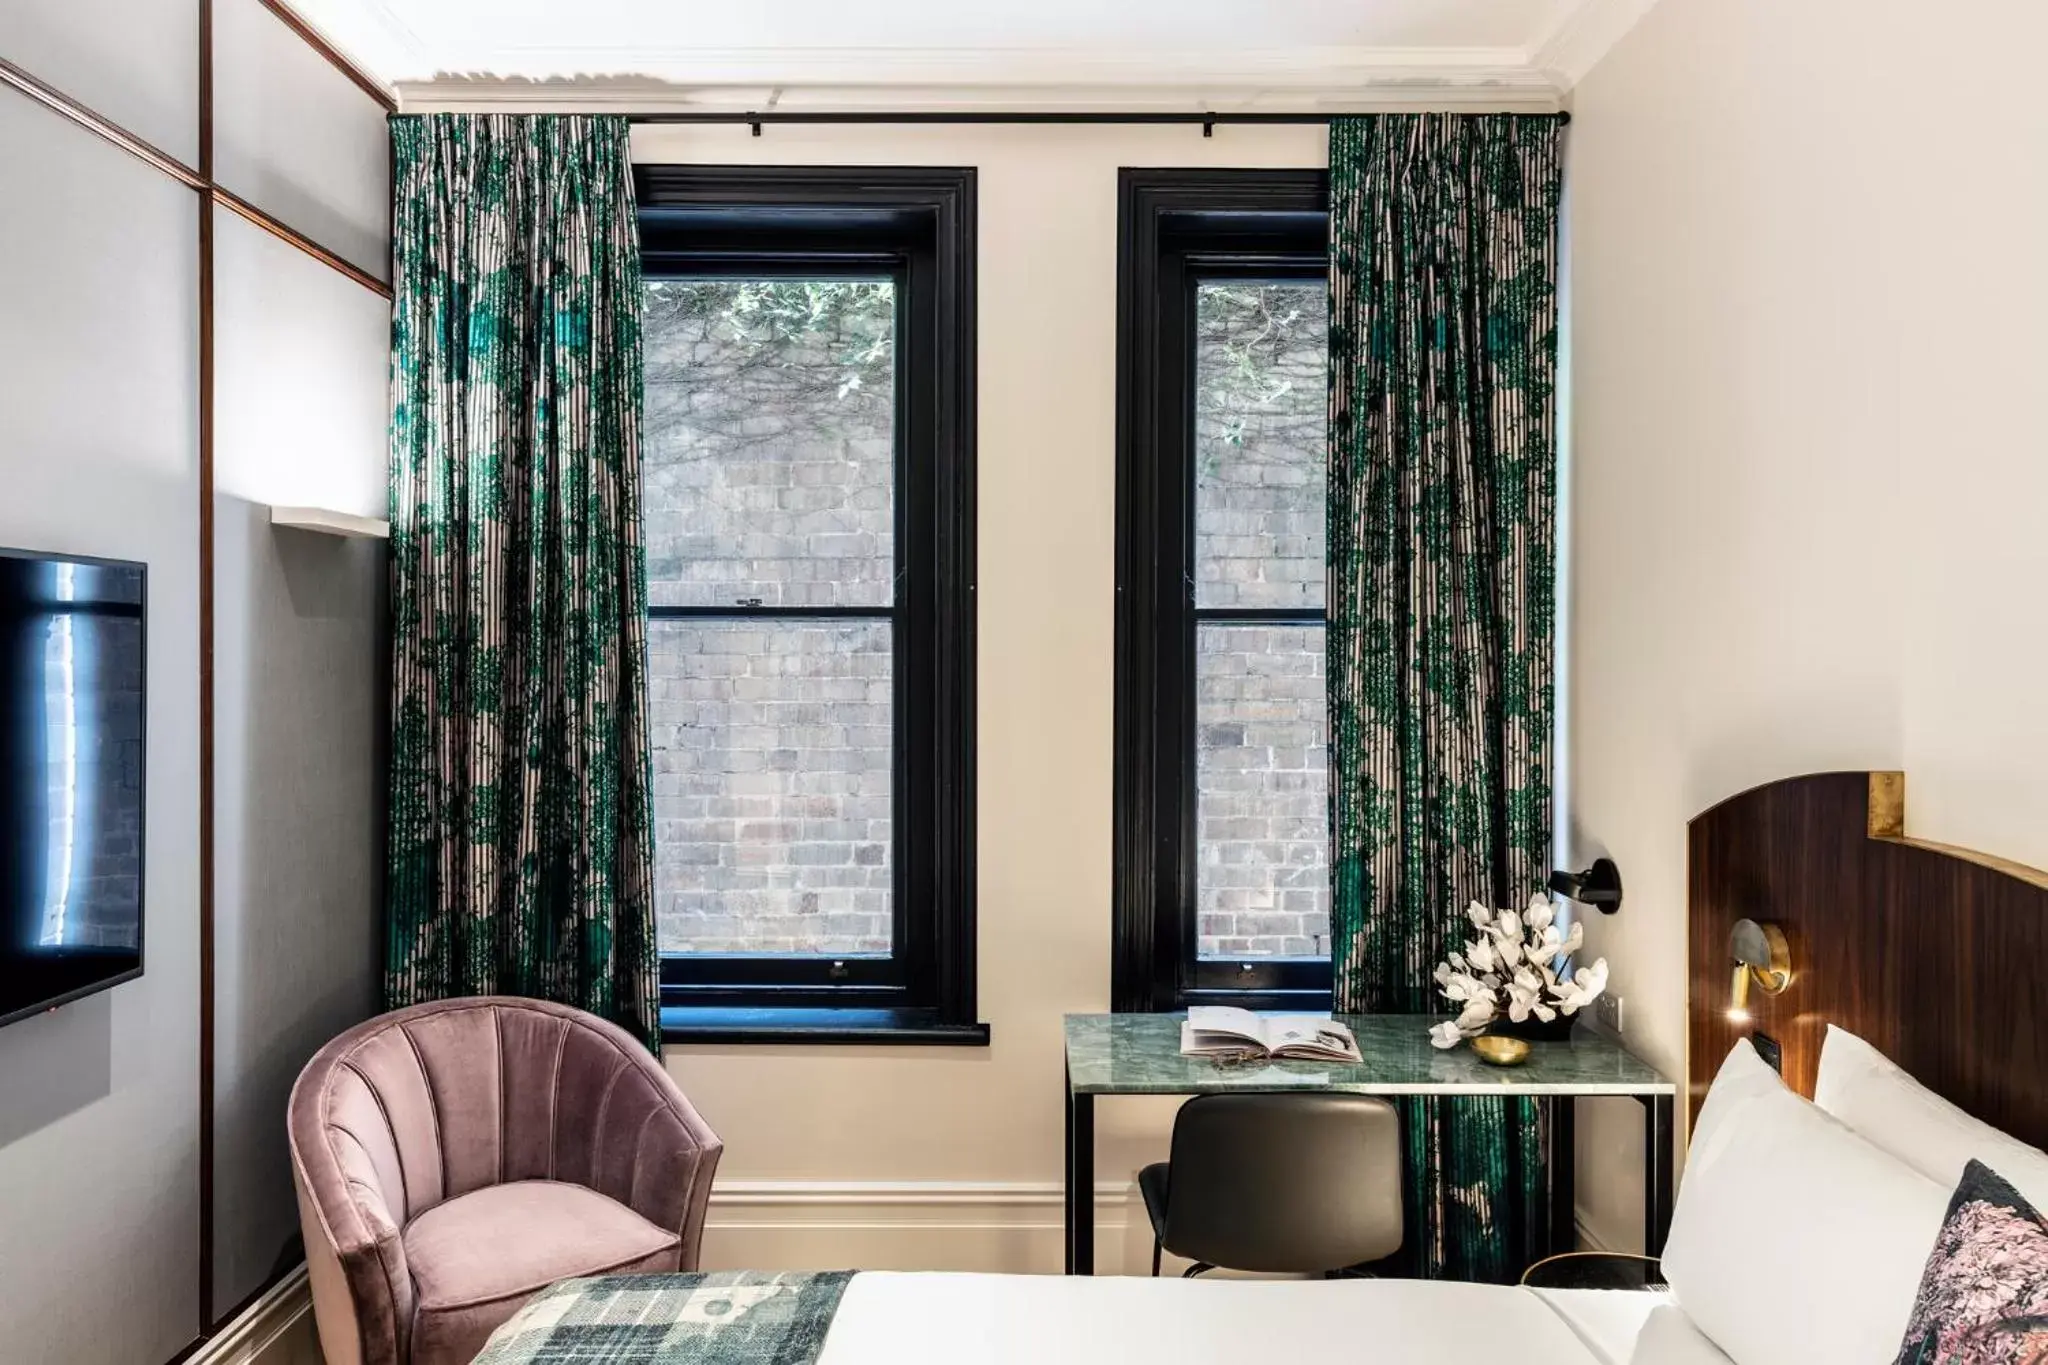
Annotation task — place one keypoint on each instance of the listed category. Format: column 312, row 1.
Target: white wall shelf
column 331, row 523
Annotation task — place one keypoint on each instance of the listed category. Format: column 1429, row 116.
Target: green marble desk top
column 1139, row 1054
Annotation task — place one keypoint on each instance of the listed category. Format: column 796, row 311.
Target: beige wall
column 977, row 1132
column 1809, row 464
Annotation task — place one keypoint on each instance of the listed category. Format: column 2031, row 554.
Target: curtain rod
column 757, row 119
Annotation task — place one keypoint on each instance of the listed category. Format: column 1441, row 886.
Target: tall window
column 771, row 552
column 1222, row 845
column 808, row 502
column 1262, row 790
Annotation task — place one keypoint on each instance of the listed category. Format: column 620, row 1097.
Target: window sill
column 1278, row 1000
column 885, row 1027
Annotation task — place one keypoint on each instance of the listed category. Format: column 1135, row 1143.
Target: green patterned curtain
column 521, row 856
column 1443, row 358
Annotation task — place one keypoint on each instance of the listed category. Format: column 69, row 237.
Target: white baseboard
column 277, row 1329
column 1007, row 1226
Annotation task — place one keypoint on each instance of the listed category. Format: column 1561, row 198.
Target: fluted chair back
column 417, row 1109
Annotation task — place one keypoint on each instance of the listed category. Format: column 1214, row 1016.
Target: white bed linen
column 1871, row 1093
column 1830, row 1278
column 1625, row 1327
column 890, row 1318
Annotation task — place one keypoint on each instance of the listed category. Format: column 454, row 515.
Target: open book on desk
column 1221, row 1031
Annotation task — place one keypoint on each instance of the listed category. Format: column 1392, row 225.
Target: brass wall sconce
column 1763, row 957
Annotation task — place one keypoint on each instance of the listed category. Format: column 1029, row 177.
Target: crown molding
column 628, row 78
column 590, row 97
column 849, row 66
column 371, row 34
column 1361, row 80
column 1583, row 35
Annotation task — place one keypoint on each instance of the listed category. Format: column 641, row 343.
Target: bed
column 896, row 1318
column 1803, row 1243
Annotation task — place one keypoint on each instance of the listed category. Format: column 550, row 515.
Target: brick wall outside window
column 769, row 475
column 1261, row 740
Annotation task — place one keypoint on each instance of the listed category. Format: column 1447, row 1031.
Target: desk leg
column 1564, row 1174
column 1080, row 1182
column 1658, row 1133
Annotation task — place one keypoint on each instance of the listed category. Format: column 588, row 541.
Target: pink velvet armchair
column 456, row 1157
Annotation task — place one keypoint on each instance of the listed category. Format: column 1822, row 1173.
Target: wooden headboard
column 1936, row 955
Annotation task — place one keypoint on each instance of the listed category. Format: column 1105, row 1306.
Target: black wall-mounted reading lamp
column 1598, row 886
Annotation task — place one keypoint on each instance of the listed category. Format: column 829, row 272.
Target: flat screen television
column 73, row 637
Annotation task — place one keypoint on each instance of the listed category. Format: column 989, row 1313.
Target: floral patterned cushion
column 1984, row 1297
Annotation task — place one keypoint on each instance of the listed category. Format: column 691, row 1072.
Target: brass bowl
column 1498, row 1051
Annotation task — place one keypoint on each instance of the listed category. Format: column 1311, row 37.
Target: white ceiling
column 1195, row 54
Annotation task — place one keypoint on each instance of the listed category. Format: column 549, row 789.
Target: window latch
column 837, row 971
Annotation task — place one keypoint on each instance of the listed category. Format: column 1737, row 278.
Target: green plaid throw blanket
column 737, row 1318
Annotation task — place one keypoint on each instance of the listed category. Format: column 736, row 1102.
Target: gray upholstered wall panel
column 135, row 61
column 297, row 138
column 299, row 710
column 99, row 1113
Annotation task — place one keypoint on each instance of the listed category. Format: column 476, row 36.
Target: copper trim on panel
column 364, row 81
column 200, row 179
column 284, row 232
column 60, row 103
column 207, row 972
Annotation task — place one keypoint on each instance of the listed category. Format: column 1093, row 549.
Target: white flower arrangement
column 1512, row 969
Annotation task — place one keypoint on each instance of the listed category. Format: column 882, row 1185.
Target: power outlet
column 1607, row 1013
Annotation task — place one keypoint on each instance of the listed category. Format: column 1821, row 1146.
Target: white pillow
column 1866, row 1090
column 1669, row 1337
column 1795, row 1242
column 1744, row 1076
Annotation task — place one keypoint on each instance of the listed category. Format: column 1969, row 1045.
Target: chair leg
column 1197, row 1268
column 1155, row 1258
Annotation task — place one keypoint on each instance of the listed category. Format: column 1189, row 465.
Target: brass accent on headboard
column 1887, row 806
column 1888, row 822
column 1937, row 955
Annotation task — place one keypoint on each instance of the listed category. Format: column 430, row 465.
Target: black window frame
column 915, row 226
column 1176, row 230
